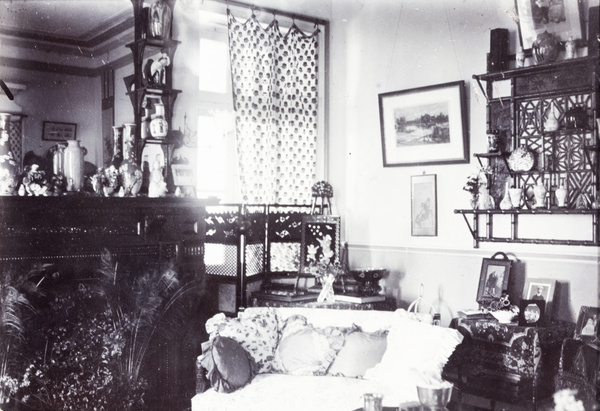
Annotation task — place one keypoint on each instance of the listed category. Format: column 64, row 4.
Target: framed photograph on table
column 587, row 324
column 426, row 125
column 561, row 18
column 423, row 200
column 542, row 290
column 493, row 279
column 531, row 313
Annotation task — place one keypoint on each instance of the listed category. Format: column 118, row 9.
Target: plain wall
column 383, row 46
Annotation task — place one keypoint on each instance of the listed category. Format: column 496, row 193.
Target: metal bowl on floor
column 435, row 396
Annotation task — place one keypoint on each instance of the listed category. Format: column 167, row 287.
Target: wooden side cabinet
column 506, row 363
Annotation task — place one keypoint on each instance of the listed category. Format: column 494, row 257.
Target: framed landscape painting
column 426, row 125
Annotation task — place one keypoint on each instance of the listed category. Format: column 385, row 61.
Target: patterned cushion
column 255, row 331
column 305, row 350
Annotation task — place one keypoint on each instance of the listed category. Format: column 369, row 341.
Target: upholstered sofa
column 318, row 359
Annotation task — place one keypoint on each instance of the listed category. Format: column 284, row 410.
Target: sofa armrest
column 202, row 381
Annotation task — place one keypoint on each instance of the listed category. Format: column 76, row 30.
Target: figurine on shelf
column 155, row 74
column 157, row 186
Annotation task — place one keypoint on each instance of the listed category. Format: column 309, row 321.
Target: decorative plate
column 521, row 160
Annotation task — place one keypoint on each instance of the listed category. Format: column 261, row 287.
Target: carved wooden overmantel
column 79, row 226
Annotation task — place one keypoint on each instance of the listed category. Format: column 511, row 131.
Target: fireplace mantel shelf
column 82, row 226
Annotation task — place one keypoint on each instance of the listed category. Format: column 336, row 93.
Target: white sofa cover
column 416, row 353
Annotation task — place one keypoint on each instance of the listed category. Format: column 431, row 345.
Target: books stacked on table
column 474, row 314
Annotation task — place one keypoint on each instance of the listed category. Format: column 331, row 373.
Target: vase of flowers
column 476, row 181
column 327, row 273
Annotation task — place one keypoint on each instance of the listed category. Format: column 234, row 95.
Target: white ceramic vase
column 73, row 165
column 539, row 192
column 561, row 196
column 516, row 194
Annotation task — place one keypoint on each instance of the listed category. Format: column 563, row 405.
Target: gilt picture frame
column 561, row 18
column 320, row 241
column 423, row 201
column 493, row 279
column 425, row 125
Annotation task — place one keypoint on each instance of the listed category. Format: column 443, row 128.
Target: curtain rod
column 293, row 16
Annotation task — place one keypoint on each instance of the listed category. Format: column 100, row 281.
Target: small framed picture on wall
column 423, row 201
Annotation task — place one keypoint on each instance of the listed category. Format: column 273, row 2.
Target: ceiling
column 86, row 28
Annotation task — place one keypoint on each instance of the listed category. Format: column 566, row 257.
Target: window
column 217, row 158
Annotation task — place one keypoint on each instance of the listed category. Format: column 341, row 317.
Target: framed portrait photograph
column 587, row 324
column 56, row 131
column 320, row 242
column 561, row 18
column 426, row 125
column 493, row 279
column 423, row 201
column 540, row 289
column 531, row 313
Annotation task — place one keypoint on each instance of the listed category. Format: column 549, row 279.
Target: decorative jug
column 545, row 48
column 159, row 126
column 576, row 117
column 73, row 164
column 130, row 172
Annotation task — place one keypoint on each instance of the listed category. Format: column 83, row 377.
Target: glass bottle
column 130, row 172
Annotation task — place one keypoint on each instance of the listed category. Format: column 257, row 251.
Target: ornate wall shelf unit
column 550, row 111
column 145, row 95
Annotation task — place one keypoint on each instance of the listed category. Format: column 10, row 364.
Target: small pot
column 576, row 117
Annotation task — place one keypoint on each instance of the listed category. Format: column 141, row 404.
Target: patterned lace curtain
column 274, row 79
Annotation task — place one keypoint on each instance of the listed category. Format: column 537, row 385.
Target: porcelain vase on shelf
column 159, row 20
column 516, row 194
column 539, row 192
column 485, row 200
column 561, row 196
column 506, row 204
column 130, row 172
column 158, row 125
column 327, row 294
column 73, row 165
column 8, row 166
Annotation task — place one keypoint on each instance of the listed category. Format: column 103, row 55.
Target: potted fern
column 15, row 289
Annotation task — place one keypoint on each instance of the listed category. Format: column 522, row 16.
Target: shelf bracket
column 473, row 229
